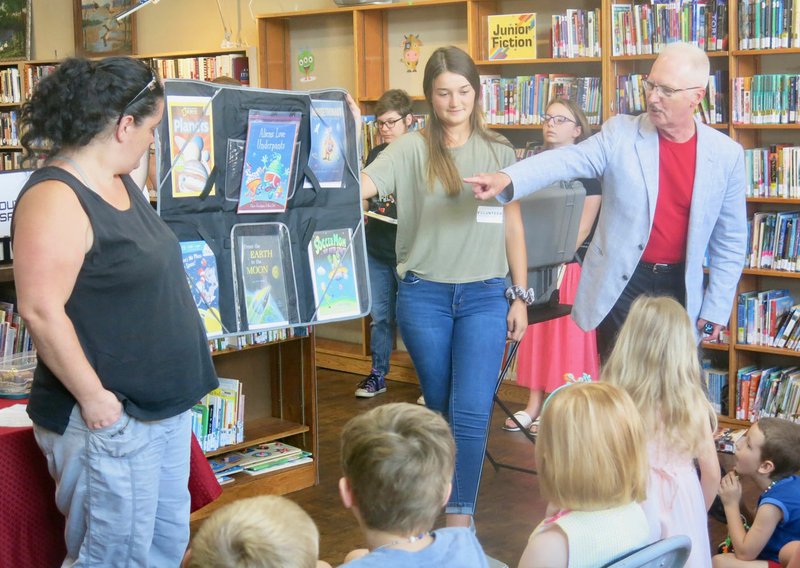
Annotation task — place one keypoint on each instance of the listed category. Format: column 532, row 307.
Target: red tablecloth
column 31, row 528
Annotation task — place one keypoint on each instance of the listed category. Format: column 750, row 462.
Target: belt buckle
column 659, row 267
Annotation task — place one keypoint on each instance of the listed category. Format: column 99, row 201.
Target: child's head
column 655, row 360
column 398, row 462
column 771, row 447
column 260, row 532
column 393, row 114
column 591, row 452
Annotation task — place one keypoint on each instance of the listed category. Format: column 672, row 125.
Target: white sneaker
column 421, row 400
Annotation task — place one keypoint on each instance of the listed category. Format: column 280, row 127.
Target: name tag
column 488, row 214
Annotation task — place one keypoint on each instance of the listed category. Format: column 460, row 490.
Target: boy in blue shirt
column 770, row 455
column 398, row 463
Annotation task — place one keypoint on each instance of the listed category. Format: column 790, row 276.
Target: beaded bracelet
column 514, row 292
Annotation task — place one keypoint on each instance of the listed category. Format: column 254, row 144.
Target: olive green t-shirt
column 450, row 239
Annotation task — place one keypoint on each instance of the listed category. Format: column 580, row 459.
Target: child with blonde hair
column 592, row 463
column 397, row 461
column 655, row 360
column 260, row 532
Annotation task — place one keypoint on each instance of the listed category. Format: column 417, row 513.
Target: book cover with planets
column 268, row 161
column 333, row 274
column 191, row 141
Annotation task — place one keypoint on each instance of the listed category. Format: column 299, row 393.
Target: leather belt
column 661, row 268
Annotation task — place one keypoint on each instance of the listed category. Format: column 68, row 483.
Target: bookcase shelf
column 715, row 346
column 262, row 430
column 766, row 126
column 537, row 61
column 759, row 52
column 773, row 273
column 766, row 349
column 774, row 200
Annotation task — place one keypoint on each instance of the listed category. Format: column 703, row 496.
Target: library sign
column 11, row 183
column 512, row 36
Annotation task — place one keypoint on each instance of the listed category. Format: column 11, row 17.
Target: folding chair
column 670, row 552
column 551, row 218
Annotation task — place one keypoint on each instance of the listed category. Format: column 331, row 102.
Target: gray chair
column 670, row 552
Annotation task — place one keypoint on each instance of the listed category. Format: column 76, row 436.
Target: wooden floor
column 509, row 506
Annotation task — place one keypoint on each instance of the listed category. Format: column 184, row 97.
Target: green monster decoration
column 305, row 61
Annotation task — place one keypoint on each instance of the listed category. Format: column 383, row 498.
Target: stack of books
column 257, row 460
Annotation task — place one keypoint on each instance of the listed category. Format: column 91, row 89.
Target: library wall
column 170, row 25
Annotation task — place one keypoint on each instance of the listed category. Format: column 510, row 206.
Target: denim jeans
column 124, row 490
column 383, row 282
column 456, row 334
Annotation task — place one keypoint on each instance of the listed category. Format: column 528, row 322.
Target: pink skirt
column 553, row 348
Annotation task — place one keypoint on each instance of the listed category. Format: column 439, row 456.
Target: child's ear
column 447, row 493
column 345, row 493
column 766, row 467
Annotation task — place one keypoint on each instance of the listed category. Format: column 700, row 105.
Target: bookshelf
column 372, row 30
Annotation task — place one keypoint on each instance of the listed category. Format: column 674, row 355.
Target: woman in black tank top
column 100, row 284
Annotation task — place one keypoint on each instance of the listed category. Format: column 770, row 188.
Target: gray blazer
column 624, row 156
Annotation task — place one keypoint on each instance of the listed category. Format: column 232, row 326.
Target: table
column 31, row 527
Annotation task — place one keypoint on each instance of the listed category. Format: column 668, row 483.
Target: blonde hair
column 577, row 114
column 398, row 459
column 260, row 532
column 655, row 360
column 591, row 451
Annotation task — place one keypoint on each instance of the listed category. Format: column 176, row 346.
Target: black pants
column 645, row 281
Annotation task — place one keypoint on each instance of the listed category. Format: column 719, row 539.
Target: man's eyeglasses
column 557, row 119
column 389, row 123
column 150, row 86
column 663, row 90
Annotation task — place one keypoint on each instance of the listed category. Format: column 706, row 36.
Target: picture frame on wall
column 97, row 31
column 15, row 29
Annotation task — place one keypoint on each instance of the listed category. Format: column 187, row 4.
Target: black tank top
column 133, row 314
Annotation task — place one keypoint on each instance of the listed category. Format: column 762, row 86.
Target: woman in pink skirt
column 553, row 348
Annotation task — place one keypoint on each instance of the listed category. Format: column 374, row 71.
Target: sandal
column 522, row 417
column 534, row 428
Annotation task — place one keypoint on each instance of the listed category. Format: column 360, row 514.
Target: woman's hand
column 517, row 319
column 101, row 410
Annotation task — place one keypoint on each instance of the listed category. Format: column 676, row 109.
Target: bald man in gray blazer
column 673, row 191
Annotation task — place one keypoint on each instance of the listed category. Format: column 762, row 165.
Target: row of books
column 767, row 317
column 34, row 74
column 8, row 127
column 205, row 68
column 771, row 392
column 716, row 382
column 218, row 419
column 766, row 99
column 576, row 33
column 9, row 85
column 773, row 171
column 14, row 334
column 769, row 24
column 10, row 161
column 774, row 239
column 257, row 460
column 264, row 337
column 643, row 29
column 371, row 136
column 523, row 99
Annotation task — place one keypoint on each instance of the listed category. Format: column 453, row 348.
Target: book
column 263, row 286
column 328, row 142
column 269, row 159
column 200, row 266
column 284, row 463
column 330, row 254
column 511, row 36
column 191, row 144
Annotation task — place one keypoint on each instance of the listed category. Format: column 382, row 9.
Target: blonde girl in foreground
column 655, row 360
column 592, row 461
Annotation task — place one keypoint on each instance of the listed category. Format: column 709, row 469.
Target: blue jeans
column 383, row 282
column 456, row 335
column 124, row 490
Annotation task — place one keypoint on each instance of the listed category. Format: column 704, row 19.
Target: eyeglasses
column 663, row 90
column 557, row 119
column 389, row 123
column 150, row 86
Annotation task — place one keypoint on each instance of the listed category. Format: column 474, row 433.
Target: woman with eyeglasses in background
column 100, row 284
column 553, row 348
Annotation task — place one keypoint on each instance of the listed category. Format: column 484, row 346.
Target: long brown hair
column 440, row 162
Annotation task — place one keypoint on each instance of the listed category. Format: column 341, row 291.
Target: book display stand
column 269, row 181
